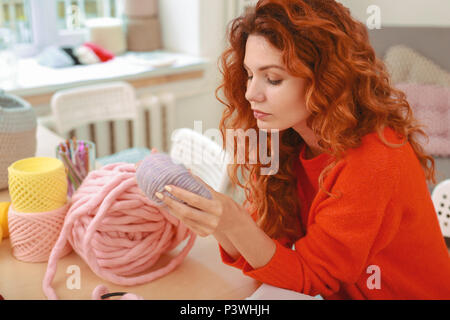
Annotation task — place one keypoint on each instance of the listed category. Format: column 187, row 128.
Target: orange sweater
column 380, row 240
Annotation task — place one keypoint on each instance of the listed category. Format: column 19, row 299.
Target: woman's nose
column 254, row 92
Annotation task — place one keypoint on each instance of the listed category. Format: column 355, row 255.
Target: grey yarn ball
column 158, row 170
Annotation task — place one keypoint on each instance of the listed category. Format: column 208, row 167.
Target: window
column 29, row 26
column 71, row 14
column 15, row 22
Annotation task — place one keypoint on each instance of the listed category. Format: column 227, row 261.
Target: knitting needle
column 86, row 158
column 68, row 148
column 71, row 168
column 80, row 159
column 76, row 159
column 61, row 152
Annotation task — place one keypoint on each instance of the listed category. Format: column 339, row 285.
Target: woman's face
column 271, row 89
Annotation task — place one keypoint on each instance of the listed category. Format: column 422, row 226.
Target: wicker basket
column 17, row 133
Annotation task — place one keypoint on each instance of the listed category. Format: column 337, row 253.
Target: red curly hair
column 348, row 94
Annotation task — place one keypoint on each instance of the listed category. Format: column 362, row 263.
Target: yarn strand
column 118, row 231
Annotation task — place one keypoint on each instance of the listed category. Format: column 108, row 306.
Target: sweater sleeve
column 339, row 242
column 240, row 261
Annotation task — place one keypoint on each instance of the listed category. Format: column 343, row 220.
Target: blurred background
column 168, row 50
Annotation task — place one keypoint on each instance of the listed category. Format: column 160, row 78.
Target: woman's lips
column 260, row 115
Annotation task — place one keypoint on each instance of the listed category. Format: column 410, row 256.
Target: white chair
column 204, row 157
column 441, row 201
column 76, row 109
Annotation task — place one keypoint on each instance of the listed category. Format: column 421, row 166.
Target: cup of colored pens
column 78, row 157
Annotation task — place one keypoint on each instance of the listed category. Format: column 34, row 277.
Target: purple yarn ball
column 158, row 170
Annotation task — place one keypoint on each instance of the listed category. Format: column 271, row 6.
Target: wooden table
column 202, row 275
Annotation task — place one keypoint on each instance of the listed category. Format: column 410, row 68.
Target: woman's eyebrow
column 266, row 67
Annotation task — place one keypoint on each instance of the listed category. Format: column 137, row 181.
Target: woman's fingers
column 182, row 211
column 198, row 228
column 194, row 219
column 192, row 199
column 207, row 186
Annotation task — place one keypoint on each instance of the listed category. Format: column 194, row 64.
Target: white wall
column 179, row 24
column 195, row 27
column 404, row 12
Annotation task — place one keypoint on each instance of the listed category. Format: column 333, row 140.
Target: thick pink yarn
column 33, row 235
column 117, row 230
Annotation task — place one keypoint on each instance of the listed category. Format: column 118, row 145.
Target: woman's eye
column 274, row 82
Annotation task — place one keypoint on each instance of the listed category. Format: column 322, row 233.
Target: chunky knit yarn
column 118, row 231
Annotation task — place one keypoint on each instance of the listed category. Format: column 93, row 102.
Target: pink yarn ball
column 33, row 235
column 117, row 230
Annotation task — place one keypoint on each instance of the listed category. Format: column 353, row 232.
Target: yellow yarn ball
column 37, row 184
column 4, row 231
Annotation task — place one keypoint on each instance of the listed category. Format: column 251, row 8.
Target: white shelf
column 33, row 78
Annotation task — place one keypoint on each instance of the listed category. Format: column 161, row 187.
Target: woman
column 348, row 214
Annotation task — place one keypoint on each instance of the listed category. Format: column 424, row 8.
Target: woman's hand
column 226, row 220
column 222, row 217
column 205, row 217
